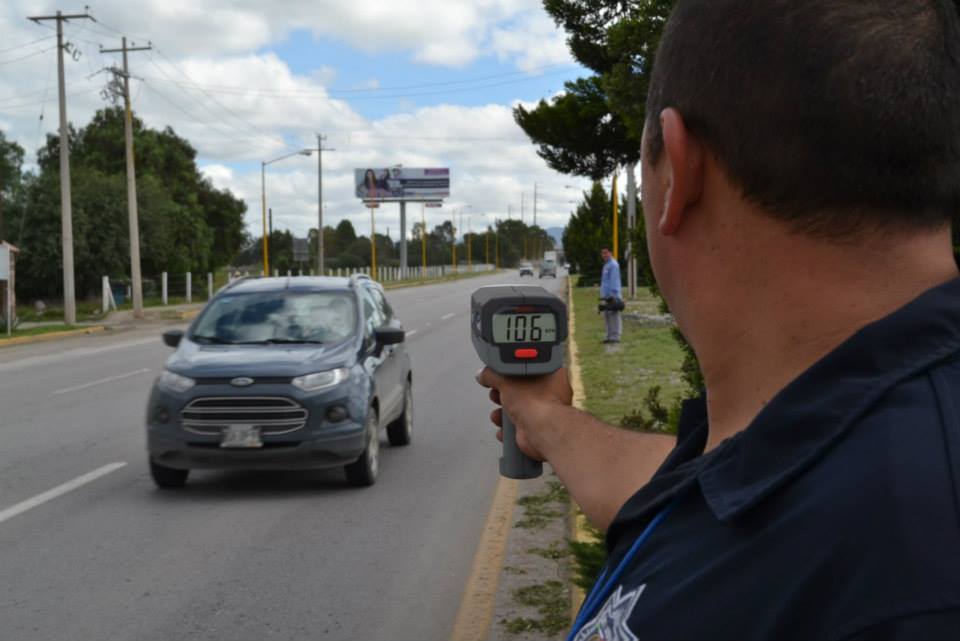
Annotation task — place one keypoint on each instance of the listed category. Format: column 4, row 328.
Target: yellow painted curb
column 577, row 531
column 189, row 314
column 51, row 336
column 476, row 607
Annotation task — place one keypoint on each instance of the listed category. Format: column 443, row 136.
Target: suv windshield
column 278, row 317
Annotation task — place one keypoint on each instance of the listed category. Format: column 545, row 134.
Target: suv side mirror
column 388, row 335
column 172, row 337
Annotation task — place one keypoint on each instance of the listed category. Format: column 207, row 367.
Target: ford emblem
column 242, row 381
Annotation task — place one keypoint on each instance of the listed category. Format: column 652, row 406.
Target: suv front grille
column 272, row 414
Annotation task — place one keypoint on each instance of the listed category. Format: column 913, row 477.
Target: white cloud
column 219, row 44
column 533, row 42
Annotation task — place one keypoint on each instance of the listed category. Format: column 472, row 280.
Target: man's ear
column 684, row 155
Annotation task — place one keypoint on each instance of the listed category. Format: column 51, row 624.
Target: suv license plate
column 241, row 436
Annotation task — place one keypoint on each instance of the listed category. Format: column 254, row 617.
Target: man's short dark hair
column 833, row 115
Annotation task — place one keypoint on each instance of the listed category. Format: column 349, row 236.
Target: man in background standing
column 610, row 293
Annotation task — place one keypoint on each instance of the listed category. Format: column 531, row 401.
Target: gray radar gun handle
column 518, row 330
column 514, row 464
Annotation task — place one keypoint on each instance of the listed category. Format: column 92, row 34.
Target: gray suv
column 281, row 374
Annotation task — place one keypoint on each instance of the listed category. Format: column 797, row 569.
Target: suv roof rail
column 358, row 277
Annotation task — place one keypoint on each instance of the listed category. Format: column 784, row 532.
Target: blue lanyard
column 601, row 590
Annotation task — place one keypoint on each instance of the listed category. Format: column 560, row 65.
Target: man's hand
column 528, row 401
column 601, row 465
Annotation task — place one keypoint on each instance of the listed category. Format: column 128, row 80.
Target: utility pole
column 631, row 226
column 66, row 200
column 534, row 204
column 616, row 235
column 522, row 195
column 134, row 221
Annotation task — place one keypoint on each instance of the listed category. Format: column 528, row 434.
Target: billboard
column 402, row 183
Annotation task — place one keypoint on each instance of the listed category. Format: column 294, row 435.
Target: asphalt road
column 90, row 550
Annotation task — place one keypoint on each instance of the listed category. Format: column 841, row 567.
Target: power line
column 29, row 55
column 331, row 96
column 27, row 44
column 334, row 92
column 227, row 136
column 219, row 117
column 46, row 100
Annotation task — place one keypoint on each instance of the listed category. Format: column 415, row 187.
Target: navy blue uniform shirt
column 834, row 515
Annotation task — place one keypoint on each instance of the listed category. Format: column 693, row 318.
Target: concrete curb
column 577, row 531
column 50, row 336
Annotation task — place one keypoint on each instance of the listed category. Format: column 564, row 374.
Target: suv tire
column 363, row 472
column 168, row 477
column 400, row 432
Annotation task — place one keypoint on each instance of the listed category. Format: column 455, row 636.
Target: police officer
column 800, row 165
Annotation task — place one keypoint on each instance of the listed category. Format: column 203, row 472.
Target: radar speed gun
column 518, row 330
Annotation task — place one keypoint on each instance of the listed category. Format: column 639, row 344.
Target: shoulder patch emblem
column 610, row 624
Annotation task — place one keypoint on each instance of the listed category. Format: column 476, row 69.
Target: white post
column 289, row 273
column 189, row 287
column 276, row 273
column 105, row 295
column 8, row 307
column 209, row 285
column 163, row 288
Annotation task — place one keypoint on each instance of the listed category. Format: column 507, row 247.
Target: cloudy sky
column 425, row 83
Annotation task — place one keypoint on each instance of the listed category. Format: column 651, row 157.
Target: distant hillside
column 557, row 234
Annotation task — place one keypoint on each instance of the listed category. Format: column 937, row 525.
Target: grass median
column 616, row 378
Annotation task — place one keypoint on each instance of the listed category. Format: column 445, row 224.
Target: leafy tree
column 576, row 133
column 591, row 229
column 186, row 224
column 11, row 176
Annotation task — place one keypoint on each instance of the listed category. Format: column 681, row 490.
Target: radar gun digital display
column 518, row 330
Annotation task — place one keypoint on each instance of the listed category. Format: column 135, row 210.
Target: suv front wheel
column 363, row 472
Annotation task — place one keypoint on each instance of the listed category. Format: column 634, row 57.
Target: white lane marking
column 412, row 332
column 84, row 351
column 447, row 316
column 110, row 379
column 60, row 490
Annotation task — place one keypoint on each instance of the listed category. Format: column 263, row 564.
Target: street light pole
column 321, row 262
column 263, row 200
column 263, row 208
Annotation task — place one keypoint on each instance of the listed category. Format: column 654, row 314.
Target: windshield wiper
column 212, row 339
column 293, row 341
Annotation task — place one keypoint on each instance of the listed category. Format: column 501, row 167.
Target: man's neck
column 792, row 311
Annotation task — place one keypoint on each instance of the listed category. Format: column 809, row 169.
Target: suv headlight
column 175, row 382
column 321, row 380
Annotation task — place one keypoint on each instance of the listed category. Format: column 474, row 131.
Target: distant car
column 548, row 268
column 526, row 269
column 281, row 374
